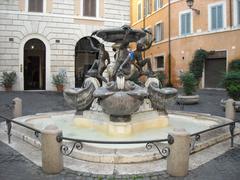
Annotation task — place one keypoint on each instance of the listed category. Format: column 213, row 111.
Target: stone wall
column 58, row 25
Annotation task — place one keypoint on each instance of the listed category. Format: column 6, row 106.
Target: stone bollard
column 52, row 158
column 230, row 109
column 178, row 159
column 17, row 109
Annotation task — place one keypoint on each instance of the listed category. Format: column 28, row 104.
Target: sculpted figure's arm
column 124, row 62
column 92, row 45
column 148, row 46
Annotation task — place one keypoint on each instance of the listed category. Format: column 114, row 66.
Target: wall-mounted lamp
column 190, row 4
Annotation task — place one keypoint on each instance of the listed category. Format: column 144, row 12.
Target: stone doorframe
column 21, row 60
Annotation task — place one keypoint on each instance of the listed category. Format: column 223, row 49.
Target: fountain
column 119, row 109
column 120, row 99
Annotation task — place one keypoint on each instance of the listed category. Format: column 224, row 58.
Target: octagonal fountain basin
column 144, row 126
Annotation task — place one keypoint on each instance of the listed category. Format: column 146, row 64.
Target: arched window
column 84, row 58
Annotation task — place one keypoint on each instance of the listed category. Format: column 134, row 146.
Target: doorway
column 215, row 67
column 34, row 65
column 84, row 58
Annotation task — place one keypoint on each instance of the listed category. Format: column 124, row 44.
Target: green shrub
column 231, row 83
column 196, row 66
column 60, row 78
column 8, row 78
column 234, row 65
column 189, row 83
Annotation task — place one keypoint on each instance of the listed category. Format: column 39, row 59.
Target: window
column 186, row 23
column 237, row 13
column 139, row 11
column 157, row 4
column 147, row 7
column 160, row 62
column 158, row 32
column 217, row 16
column 89, row 8
column 35, row 5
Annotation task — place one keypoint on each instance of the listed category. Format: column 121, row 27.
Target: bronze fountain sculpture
column 121, row 97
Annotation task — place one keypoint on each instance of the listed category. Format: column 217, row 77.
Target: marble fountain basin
column 144, row 126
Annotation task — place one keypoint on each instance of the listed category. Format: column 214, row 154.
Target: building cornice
column 155, row 12
column 234, row 28
column 63, row 16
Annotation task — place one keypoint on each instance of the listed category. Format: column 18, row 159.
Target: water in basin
column 65, row 122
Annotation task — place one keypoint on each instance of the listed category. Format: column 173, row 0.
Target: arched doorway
column 34, row 65
column 84, row 58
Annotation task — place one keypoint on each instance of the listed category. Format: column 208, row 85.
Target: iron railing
column 78, row 144
column 9, row 127
column 197, row 136
column 6, row 109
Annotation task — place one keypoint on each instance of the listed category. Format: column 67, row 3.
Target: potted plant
column 161, row 77
column 59, row 80
column 189, row 84
column 231, row 83
column 8, row 79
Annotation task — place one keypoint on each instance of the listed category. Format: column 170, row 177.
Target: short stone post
column 52, row 158
column 230, row 109
column 17, row 107
column 178, row 159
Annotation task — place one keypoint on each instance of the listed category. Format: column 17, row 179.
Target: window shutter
column 220, row 17
column 35, row 5
column 139, row 11
column 214, row 17
column 238, row 12
column 155, row 5
column 93, row 9
column 89, row 8
column 162, row 31
column 188, row 23
column 157, row 32
column 183, row 24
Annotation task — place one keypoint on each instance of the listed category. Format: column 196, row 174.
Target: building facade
column 212, row 25
column 39, row 38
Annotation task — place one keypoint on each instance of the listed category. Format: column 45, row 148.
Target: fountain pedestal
column 140, row 121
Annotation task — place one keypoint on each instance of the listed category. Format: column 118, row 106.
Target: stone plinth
column 52, row 159
column 178, row 160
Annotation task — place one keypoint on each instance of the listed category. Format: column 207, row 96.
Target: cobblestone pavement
column 14, row 166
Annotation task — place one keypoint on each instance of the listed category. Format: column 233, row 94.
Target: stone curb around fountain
column 195, row 161
column 121, row 168
column 120, row 155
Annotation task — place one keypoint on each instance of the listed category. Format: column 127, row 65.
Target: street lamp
column 190, row 4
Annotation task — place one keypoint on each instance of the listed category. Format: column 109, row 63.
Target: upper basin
column 119, row 34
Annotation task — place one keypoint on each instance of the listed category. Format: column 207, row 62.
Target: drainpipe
column 169, row 44
column 144, row 23
column 230, row 15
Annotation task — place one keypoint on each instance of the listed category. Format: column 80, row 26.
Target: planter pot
column 183, row 99
column 8, row 88
column 60, row 88
column 237, row 104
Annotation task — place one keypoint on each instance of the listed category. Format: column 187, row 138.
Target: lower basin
column 120, row 153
